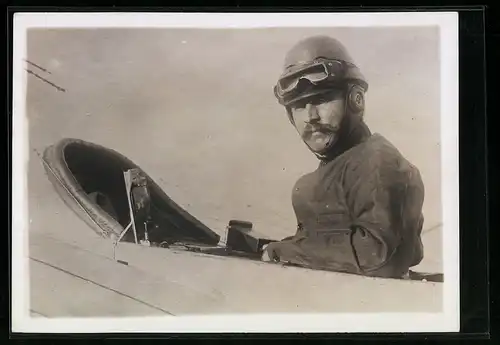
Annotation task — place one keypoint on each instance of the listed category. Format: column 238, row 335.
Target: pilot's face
column 317, row 119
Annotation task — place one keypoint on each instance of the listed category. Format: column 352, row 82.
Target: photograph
column 247, row 172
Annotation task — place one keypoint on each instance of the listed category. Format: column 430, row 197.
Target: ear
column 355, row 98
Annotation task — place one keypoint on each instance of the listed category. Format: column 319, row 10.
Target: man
column 361, row 210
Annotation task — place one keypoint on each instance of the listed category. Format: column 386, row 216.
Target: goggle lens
column 313, row 74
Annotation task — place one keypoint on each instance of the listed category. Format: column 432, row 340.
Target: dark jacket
column 359, row 212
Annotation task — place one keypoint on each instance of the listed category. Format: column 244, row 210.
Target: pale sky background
column 195, row 109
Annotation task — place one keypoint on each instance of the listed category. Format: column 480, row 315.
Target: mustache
column 320, row 127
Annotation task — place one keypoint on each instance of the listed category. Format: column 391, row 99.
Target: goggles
column 319, row 72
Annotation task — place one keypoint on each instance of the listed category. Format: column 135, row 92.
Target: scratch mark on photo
column 38, row 66
column 45, row 80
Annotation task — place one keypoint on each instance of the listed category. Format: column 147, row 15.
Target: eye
column 334, row 94
column 299, row 105
column 319, row 100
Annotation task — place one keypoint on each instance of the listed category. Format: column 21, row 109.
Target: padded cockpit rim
column 76, row 199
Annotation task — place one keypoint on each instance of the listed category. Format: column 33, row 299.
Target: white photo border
column 447, row 321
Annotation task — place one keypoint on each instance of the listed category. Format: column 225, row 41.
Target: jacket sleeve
column 375, row 236
column 386, row 214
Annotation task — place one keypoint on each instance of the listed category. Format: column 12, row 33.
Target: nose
column 312, row 111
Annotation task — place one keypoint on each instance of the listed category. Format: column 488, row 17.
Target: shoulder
column 377, row 156
column 378, row 146
column 305, row 180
